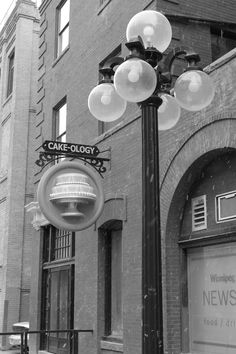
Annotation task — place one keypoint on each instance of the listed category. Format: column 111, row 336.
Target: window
column 57, row 306
column 104, row 126
column 111, row 280
column 212, row 299
column 222, row 41
column 59, row 124
column 10, row 73
column 63, row 16
column 58, row 244
column 226, row 207
column 60, row 117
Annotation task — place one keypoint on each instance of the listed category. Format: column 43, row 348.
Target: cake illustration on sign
column 72, row 190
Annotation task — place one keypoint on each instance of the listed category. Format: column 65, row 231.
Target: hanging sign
column 70, row 196
column 59, row 147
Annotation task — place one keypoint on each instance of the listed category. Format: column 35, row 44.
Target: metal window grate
column 57, row 245
column 199, row 213
column 62, row 245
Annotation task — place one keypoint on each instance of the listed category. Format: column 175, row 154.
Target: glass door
column 58, row 308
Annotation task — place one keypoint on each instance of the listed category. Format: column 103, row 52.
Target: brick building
column 18, row 67
column 92, row 279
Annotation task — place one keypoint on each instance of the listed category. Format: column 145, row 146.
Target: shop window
column 63, row 16
column 110, row 261
column 57, row 305
column 212, row 299
column 222, row 41
column 11, row 60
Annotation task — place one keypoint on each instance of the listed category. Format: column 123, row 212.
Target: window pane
column 104, row 126
column 63, row 40
column 113, row 283
column 62, row 245
column 116, row 283
column 46, row 245
column 107, row 283
column 212, row 299
column 64, row 305
column 64, row 15
column 10, row 74
column 222, row 41
column 62, row 119
column 45, row 309
column 57, row 244
column 63, row 138
column 54, row 301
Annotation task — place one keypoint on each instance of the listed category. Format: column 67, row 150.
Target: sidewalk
column 10, row 351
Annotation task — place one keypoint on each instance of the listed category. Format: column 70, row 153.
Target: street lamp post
column 152, row 330
column 144, row 79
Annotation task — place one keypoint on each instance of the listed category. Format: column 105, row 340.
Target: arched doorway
column 201, row 257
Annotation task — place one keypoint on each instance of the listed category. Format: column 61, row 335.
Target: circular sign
column 70, row 195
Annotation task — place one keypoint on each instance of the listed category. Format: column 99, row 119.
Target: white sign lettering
column 60, row 147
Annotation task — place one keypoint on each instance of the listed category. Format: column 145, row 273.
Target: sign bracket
column 55, row 151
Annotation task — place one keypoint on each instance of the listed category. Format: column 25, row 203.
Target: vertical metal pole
column 152, row 331
column 25, row 342
column 22, row 343
column 75, row 342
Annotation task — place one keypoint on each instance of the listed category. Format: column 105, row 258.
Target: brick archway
column 186, row 166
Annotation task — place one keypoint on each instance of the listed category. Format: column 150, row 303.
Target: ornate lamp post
column 145, row 79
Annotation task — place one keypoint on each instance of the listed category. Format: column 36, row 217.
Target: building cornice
column 14, row 17
column 190, row 18
column 8, row 33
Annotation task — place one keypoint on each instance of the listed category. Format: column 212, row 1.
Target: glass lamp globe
column 194, row 90
column 153, row 27
column 168, row 112
column 135, row 80
column 105, row 104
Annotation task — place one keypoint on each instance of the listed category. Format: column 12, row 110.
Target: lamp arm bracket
column 112, row 62
column 153, row 56
column 107, row 70
column 189, row 55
